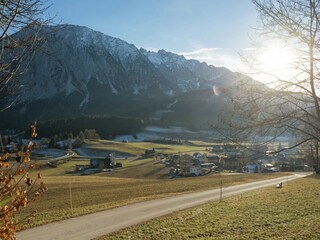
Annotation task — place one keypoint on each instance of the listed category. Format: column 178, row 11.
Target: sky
column 213, row 31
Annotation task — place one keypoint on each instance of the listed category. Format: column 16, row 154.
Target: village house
column 252, row 168
column 199, row 156
column 101, row 163
column 196, row 171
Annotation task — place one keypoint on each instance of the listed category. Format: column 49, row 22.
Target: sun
column 275, row 62
column 276, row 59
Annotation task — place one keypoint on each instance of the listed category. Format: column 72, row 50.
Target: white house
column 199, row 156
column 197, row 171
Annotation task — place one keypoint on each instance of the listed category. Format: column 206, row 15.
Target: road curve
column 97, row 224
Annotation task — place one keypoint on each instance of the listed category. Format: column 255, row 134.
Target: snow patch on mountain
column 169, row 92
column 155, row 58
column 69, row 88
column 85, row 61
column 85, row 100
column 171, row 60
column 113, row 89
column 173, row 103
column 137, row 89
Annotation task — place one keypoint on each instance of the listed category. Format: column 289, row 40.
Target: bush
column 17, row 189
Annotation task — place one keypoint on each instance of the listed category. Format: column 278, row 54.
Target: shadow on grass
column 314, row 176
column 153, row 172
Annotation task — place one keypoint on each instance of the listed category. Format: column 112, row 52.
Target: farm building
column 101, row 163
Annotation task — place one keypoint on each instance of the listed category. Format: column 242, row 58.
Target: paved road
column 101, row 223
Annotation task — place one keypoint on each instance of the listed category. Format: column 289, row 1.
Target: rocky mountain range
column 85, row 72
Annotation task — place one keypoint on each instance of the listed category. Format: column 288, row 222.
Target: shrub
column 17, row 188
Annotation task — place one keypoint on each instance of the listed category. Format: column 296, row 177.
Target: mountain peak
column 91, row 72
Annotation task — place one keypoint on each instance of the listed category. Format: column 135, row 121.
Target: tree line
column 106, row 127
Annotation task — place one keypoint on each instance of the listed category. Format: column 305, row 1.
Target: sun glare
column 276, row 59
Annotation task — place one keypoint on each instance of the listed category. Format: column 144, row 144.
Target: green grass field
column 62, row 169
column 138, row 148
column 292, row 212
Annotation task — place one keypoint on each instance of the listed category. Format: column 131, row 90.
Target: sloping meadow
column 292, row 212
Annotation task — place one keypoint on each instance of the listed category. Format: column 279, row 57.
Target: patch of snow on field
column 167, row 130
column 51, row 152
column 151, row 133
column 140, row 137
column 81, row 152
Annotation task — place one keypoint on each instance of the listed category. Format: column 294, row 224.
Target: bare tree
column 21, row 35
column 287, row 107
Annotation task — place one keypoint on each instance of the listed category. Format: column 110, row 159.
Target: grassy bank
column 292, row 212
column 96, row 193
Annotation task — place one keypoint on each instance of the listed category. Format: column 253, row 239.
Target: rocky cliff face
column 188, row 75
column 88, row 72
column 80, row 57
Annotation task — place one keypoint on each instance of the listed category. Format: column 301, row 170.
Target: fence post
column 71, row 206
